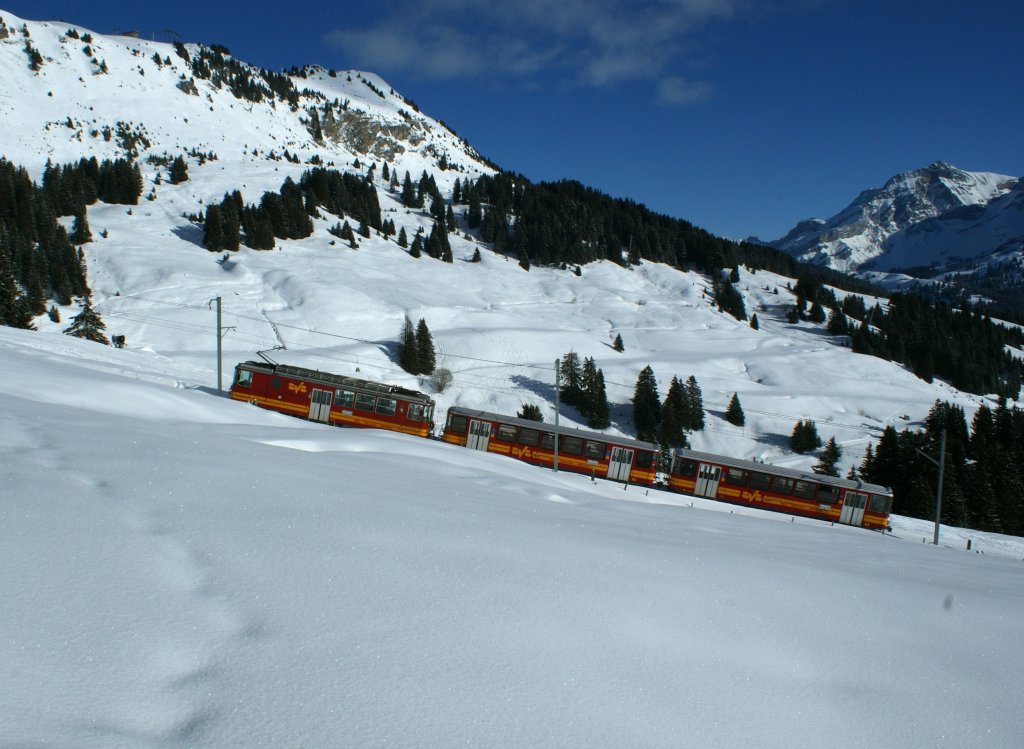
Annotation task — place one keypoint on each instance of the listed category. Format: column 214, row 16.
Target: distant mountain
column 925, row 222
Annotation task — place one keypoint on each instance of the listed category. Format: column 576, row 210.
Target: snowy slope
column 498, row 328
column 181, row 570
column 67, row 107
column 932, row 216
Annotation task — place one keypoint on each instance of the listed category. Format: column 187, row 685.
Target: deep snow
column 184, row 570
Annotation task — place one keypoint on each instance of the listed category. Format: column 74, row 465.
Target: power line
column 387, row 366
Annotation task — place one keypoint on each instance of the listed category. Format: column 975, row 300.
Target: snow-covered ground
column 183, row 570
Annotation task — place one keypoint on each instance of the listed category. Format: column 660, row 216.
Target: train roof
column 336, row 380
column 752, row 465
column 543, row 426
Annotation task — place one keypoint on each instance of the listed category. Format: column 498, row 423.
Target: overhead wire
column 385, row 364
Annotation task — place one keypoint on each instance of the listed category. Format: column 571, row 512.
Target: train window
column 364, row 402
column 828, row 494
column 736, row 477
column 644, row 459
column 877, row 504
column 759, row 480
column 594, row 450
column 685, row 467
column 415, row 412
column 386, row 406
column 781, row 485
column 506, row 433
column 805, row 489
column 547, row 441
column 571, row 445
column 275, row 383
column 344, row 398
column 528, row 436
column 243, row 378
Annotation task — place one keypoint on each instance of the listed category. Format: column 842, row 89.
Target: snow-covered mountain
column 939, row 217
column 68, row 93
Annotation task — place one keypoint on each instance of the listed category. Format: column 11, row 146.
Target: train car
column 333, row 399
column 615, row 458
column 745, row 482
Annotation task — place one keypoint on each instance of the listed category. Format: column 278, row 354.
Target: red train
column 333, row 399
column 744, row 482
column 615, row 458
column 347, row 401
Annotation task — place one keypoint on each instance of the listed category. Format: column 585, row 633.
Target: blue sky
column 742, row 117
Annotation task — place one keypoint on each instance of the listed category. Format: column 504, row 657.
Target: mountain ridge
column 938, row 217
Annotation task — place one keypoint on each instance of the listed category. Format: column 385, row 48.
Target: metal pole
column 220, row 388
column 558, row 388
column 938, row 492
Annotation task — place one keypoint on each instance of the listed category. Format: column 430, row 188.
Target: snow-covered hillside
column 182, row 570
column 936, row 216
column 100, row 96
column 498, row 328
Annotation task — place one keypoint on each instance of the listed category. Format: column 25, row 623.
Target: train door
column 853, row 508
column 707, row 480
column 320, row 405
column 479, row 435
column 620, row 464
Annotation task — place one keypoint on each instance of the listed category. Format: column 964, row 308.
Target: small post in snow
column 558, row 387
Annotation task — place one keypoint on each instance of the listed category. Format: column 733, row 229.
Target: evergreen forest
column 983, row 483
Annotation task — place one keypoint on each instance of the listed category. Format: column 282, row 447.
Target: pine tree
column 828, row 460
column 618, row 345
column 530, row 412
column 408, row 192
column 599, row 417
column 179, row 171
column 571, row 380
column 474, row 214
column 87, row 324
column 213, row 229
column 646, row 405
column 837, row 323
column 80, row 233
column 594, row 400
column 805, row 437
column 754, row 322
column 408, row 352
column 438, row 245
column 734, row 413
column 425, row 356
column 674, row 411
column 403, row 238
column 694, row 419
